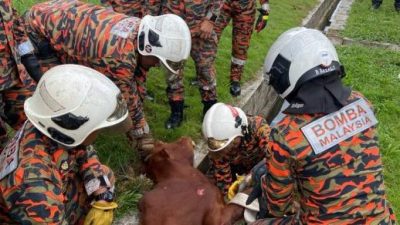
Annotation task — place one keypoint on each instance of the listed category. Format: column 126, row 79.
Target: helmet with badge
column 222, row 124
column 166, row 37
column 72, row 101
column 297, row 56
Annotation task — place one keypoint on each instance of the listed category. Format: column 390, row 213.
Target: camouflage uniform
column 242, row 13
column 342, row 185
column 15, row 84
column 225, row 165
column 51, row 183
column 203, row 51
column 134, row 8
column 96, row 37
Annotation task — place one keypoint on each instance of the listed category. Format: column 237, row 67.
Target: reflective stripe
column 239, row 62
column 9, row 157
column 25, row 48
column 336, row 127
column 125, row 27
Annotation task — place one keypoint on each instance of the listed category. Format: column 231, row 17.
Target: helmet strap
column 246, row 133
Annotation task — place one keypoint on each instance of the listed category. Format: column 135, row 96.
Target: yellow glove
column 233, row 189
column 101, row 213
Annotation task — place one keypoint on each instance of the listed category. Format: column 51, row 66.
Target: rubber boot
column 235, row 88
column 176, row 117
column 376, row 4
column 397, row 6
column 207, row 105
column 236, row 75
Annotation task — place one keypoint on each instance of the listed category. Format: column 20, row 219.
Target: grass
column 374, row 25
column 376, row 73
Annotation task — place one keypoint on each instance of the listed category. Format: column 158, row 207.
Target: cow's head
column 179, row 152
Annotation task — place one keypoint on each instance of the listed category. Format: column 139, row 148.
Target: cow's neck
column 172, row 169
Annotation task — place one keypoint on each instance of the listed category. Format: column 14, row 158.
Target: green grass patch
column 366, row 23
column 114, row 149
column 376, row 73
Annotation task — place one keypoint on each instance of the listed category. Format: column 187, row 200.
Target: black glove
column 258, row 171
column 32, row 65
column 262, row 20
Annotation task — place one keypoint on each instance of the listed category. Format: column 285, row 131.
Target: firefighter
column 377, row 3
column 49, row 172
column 17, row 65
column 324, row 153
column 243, row 15
column 236, row 143
column 200, row 17
column 114, row 44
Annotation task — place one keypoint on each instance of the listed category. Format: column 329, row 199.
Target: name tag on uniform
column 9, row 155
column 336, row 127
column 124, row 27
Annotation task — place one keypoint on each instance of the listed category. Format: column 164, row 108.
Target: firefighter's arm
column 214, row 10
column 154, row 7
column 96, row 179
column 36, row 202
column 25, row 48
column 278, row 183
column 263, row 16
column 221, row 171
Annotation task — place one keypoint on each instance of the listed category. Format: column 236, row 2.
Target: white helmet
column 72, row 101
column 223, row 123
column 299, row 55
column 166, row 37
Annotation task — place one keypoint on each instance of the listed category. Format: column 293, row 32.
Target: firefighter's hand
column 144, row 144
column 101, row 213
column 262, row 17
column 206, row 27
column 234, row 188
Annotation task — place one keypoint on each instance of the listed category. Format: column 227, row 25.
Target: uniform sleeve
column 214, row 8
column 140, row 78
column 33, row 193
column 37, row 202
column 128, row 7
column 263, row 134
column 278, row 184
column 124, row 79
column 19, row 28
column 221, row 171
column 154, row 7
column 43, row 50
column 92, row 172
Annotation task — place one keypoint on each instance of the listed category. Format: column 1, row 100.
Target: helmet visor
column 214, row 144
column 120, row 110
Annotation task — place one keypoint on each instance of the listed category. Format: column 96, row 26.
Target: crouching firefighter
column 49, row 172
column 122, row 48
column 324, row 152
column 236, row 143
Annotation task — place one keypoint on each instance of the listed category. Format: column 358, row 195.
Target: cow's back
column 182, row 201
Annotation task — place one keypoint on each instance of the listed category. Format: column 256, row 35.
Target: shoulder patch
column 124, row 27
column 338, row 126
column 9, row 156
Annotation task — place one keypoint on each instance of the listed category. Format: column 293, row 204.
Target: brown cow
column 182, row 194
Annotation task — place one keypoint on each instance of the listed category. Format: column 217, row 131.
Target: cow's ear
column 164, row 154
